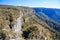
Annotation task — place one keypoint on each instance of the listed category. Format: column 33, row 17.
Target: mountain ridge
column 50, row 12
column 31, row 26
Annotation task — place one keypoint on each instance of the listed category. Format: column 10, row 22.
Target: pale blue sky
column 33, row 3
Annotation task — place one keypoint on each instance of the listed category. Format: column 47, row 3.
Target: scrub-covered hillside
column 21, row 23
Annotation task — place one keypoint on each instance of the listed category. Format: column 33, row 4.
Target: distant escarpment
column 22, row 23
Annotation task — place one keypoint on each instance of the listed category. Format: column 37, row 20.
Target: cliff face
column 50, row 16
column 21, row 23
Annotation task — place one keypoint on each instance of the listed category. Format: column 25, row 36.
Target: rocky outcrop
column 21, row 23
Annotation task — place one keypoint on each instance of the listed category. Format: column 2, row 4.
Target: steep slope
column 21, row 23
column 50, row 12
column 44, row 14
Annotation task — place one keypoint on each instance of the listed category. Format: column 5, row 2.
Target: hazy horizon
column 32, row 3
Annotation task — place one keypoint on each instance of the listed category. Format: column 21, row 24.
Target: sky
column 32, row 3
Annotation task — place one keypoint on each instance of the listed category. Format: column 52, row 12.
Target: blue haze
column 33, row 3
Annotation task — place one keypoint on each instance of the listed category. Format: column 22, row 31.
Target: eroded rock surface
column 21, row 23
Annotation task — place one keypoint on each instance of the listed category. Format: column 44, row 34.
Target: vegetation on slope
column 33, row 27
